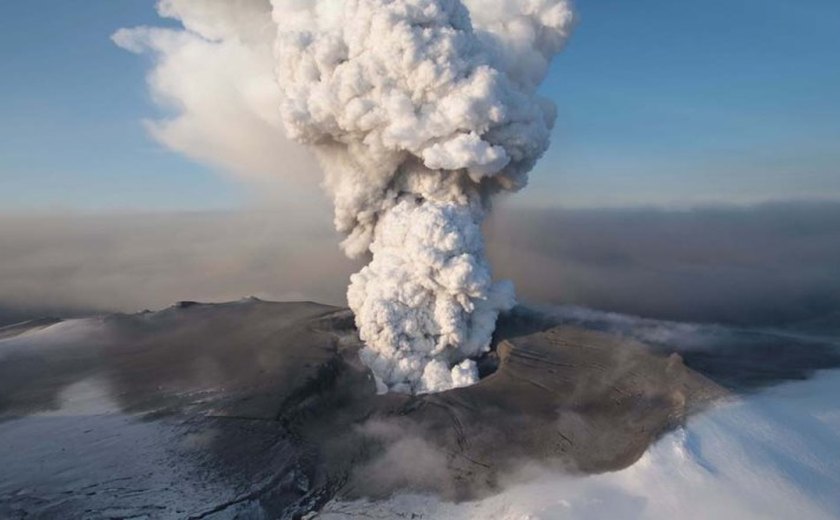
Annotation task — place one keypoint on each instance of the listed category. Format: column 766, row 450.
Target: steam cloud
column 418, row 111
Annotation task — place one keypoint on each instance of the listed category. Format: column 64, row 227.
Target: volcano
column 229, row 409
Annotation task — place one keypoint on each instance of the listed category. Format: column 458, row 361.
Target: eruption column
column 419, row 114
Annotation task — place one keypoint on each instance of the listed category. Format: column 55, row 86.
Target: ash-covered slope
column 264, row 407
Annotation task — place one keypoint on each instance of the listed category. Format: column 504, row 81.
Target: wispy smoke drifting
column 419, row 111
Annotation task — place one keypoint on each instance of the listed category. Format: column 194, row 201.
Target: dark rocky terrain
column 262, row 410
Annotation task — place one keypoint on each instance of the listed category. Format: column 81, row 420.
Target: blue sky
column 660, row 103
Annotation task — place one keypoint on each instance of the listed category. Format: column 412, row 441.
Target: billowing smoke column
column 418, row 110
column 417, row 118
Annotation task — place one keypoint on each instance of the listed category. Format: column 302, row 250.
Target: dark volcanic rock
column 255, row 408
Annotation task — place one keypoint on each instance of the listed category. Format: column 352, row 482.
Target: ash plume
column 419, row 111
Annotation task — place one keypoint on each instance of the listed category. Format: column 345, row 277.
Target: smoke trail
column 418, row 111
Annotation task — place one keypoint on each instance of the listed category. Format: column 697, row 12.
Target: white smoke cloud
column 428, row 289
column 417, row 118
column 418, row 111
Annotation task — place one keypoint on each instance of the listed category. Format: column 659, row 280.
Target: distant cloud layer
column 769, row 264
column 772, row 264
column 132, row 262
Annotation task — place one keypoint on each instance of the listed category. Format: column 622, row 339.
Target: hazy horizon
column 768, row 264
